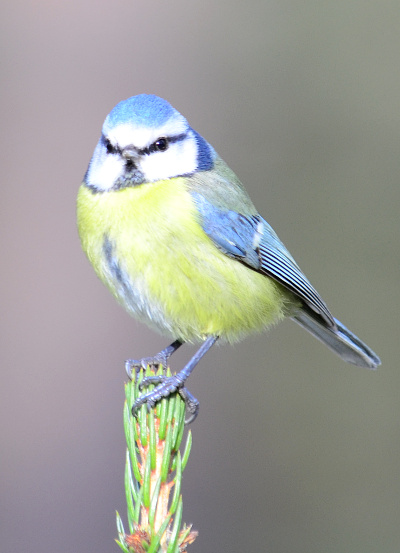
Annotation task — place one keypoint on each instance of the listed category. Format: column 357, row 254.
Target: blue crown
column 144, row 110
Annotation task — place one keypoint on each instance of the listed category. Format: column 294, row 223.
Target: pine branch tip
column 153, row 473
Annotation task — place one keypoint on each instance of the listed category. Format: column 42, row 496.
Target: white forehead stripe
column 128, row 134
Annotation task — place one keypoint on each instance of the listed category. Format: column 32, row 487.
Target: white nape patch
column 140, row 137
column 258, row 235
column 104, row 169
column 179, row 159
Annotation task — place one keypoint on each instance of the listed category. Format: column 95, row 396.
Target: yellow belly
column 147, row 245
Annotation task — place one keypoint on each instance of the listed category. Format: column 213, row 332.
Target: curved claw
column 171, row 384
column 160, row 359
column 192, row 404
column 166, row 387
column 138, row 364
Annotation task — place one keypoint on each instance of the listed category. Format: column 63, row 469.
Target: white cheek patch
column 179, row 159
column 104, row 170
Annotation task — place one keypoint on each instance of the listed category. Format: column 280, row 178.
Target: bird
column 173, row 234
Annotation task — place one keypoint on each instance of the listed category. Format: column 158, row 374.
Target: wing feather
column 251, row 240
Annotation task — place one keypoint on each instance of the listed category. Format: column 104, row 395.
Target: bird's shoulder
column 221, row 188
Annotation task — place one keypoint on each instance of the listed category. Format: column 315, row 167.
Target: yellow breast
column 147, row 245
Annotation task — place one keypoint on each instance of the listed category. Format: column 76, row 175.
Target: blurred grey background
column 294, row 451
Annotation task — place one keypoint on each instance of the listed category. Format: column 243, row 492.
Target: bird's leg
column 161, row 358
column 171, row 384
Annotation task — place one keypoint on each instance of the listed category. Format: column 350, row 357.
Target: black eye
column 110, row 147
column 161, row 145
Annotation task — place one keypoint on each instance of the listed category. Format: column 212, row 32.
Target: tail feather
column 340, row 340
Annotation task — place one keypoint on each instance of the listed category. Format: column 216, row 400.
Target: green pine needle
column 153, row 474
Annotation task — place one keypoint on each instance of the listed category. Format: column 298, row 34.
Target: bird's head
column 144, row 139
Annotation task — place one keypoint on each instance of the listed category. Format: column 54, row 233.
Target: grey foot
column 166, row 387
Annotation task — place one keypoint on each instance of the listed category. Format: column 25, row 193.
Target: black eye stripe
column 111, row 149
column 170, row 140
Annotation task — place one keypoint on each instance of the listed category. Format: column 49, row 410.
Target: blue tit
column 171, row 231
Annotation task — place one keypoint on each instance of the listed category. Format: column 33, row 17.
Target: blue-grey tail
column 340, row 340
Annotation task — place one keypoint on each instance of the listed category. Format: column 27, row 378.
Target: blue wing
column 251, row 240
